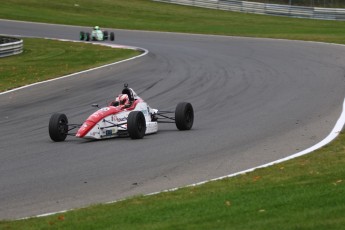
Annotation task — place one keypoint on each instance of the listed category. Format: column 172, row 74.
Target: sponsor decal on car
column 111, row 132
column 120, row 119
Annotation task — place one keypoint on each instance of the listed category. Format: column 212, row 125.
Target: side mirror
column 95, row 105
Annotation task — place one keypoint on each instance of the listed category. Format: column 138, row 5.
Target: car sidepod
column 151, row 126
column 110, row 122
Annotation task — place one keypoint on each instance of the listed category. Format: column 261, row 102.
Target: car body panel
column 111, row 121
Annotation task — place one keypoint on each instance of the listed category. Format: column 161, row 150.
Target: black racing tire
column 82, row 35
column 136, row 125
column 87, row 36
column 58, row 127
column 105, row 35
column 184, row 116
column 112, row 36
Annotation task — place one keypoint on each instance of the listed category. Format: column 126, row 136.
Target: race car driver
column 123, row 101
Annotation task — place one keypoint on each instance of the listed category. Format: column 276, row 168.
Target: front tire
column 87, row 36
column 184, row 116
column 58, row 127
column 105, row 35
column 136, row 125
column 112, row 36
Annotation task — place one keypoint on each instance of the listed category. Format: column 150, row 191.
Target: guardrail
column 10, row 46
column 263, row 8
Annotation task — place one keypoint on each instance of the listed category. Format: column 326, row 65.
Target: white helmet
column 123, row 100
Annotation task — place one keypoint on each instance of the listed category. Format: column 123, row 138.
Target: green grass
column 45, row 59
column 305, row 193
column 149, row 15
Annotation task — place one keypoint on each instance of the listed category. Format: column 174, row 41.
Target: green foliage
column 45, row 59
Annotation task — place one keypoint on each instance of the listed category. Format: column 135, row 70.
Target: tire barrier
column 10, row 46
column 263, row 8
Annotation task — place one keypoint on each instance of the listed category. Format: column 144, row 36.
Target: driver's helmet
column 96, row 28
column 123, row 100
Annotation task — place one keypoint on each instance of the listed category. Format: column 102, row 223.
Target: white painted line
column 333, row 134
column 145, row 51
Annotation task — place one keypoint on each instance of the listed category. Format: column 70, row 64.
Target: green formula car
column 97, row 35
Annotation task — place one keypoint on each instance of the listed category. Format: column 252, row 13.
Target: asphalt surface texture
column 255, row 101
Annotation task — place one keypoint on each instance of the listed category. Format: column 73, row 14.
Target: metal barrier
column 263, row 8
column 10, row 46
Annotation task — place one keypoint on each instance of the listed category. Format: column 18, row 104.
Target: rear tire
column 58, row 127
column 136, row 125
column 184, row 116
column 112, row 36
column 82, row 35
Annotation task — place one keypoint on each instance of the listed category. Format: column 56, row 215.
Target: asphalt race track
column 255, row 101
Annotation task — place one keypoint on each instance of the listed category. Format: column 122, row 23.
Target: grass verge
column 44, row 59
column 305, row 193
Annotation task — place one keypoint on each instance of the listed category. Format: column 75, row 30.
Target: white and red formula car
column 131, row 117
